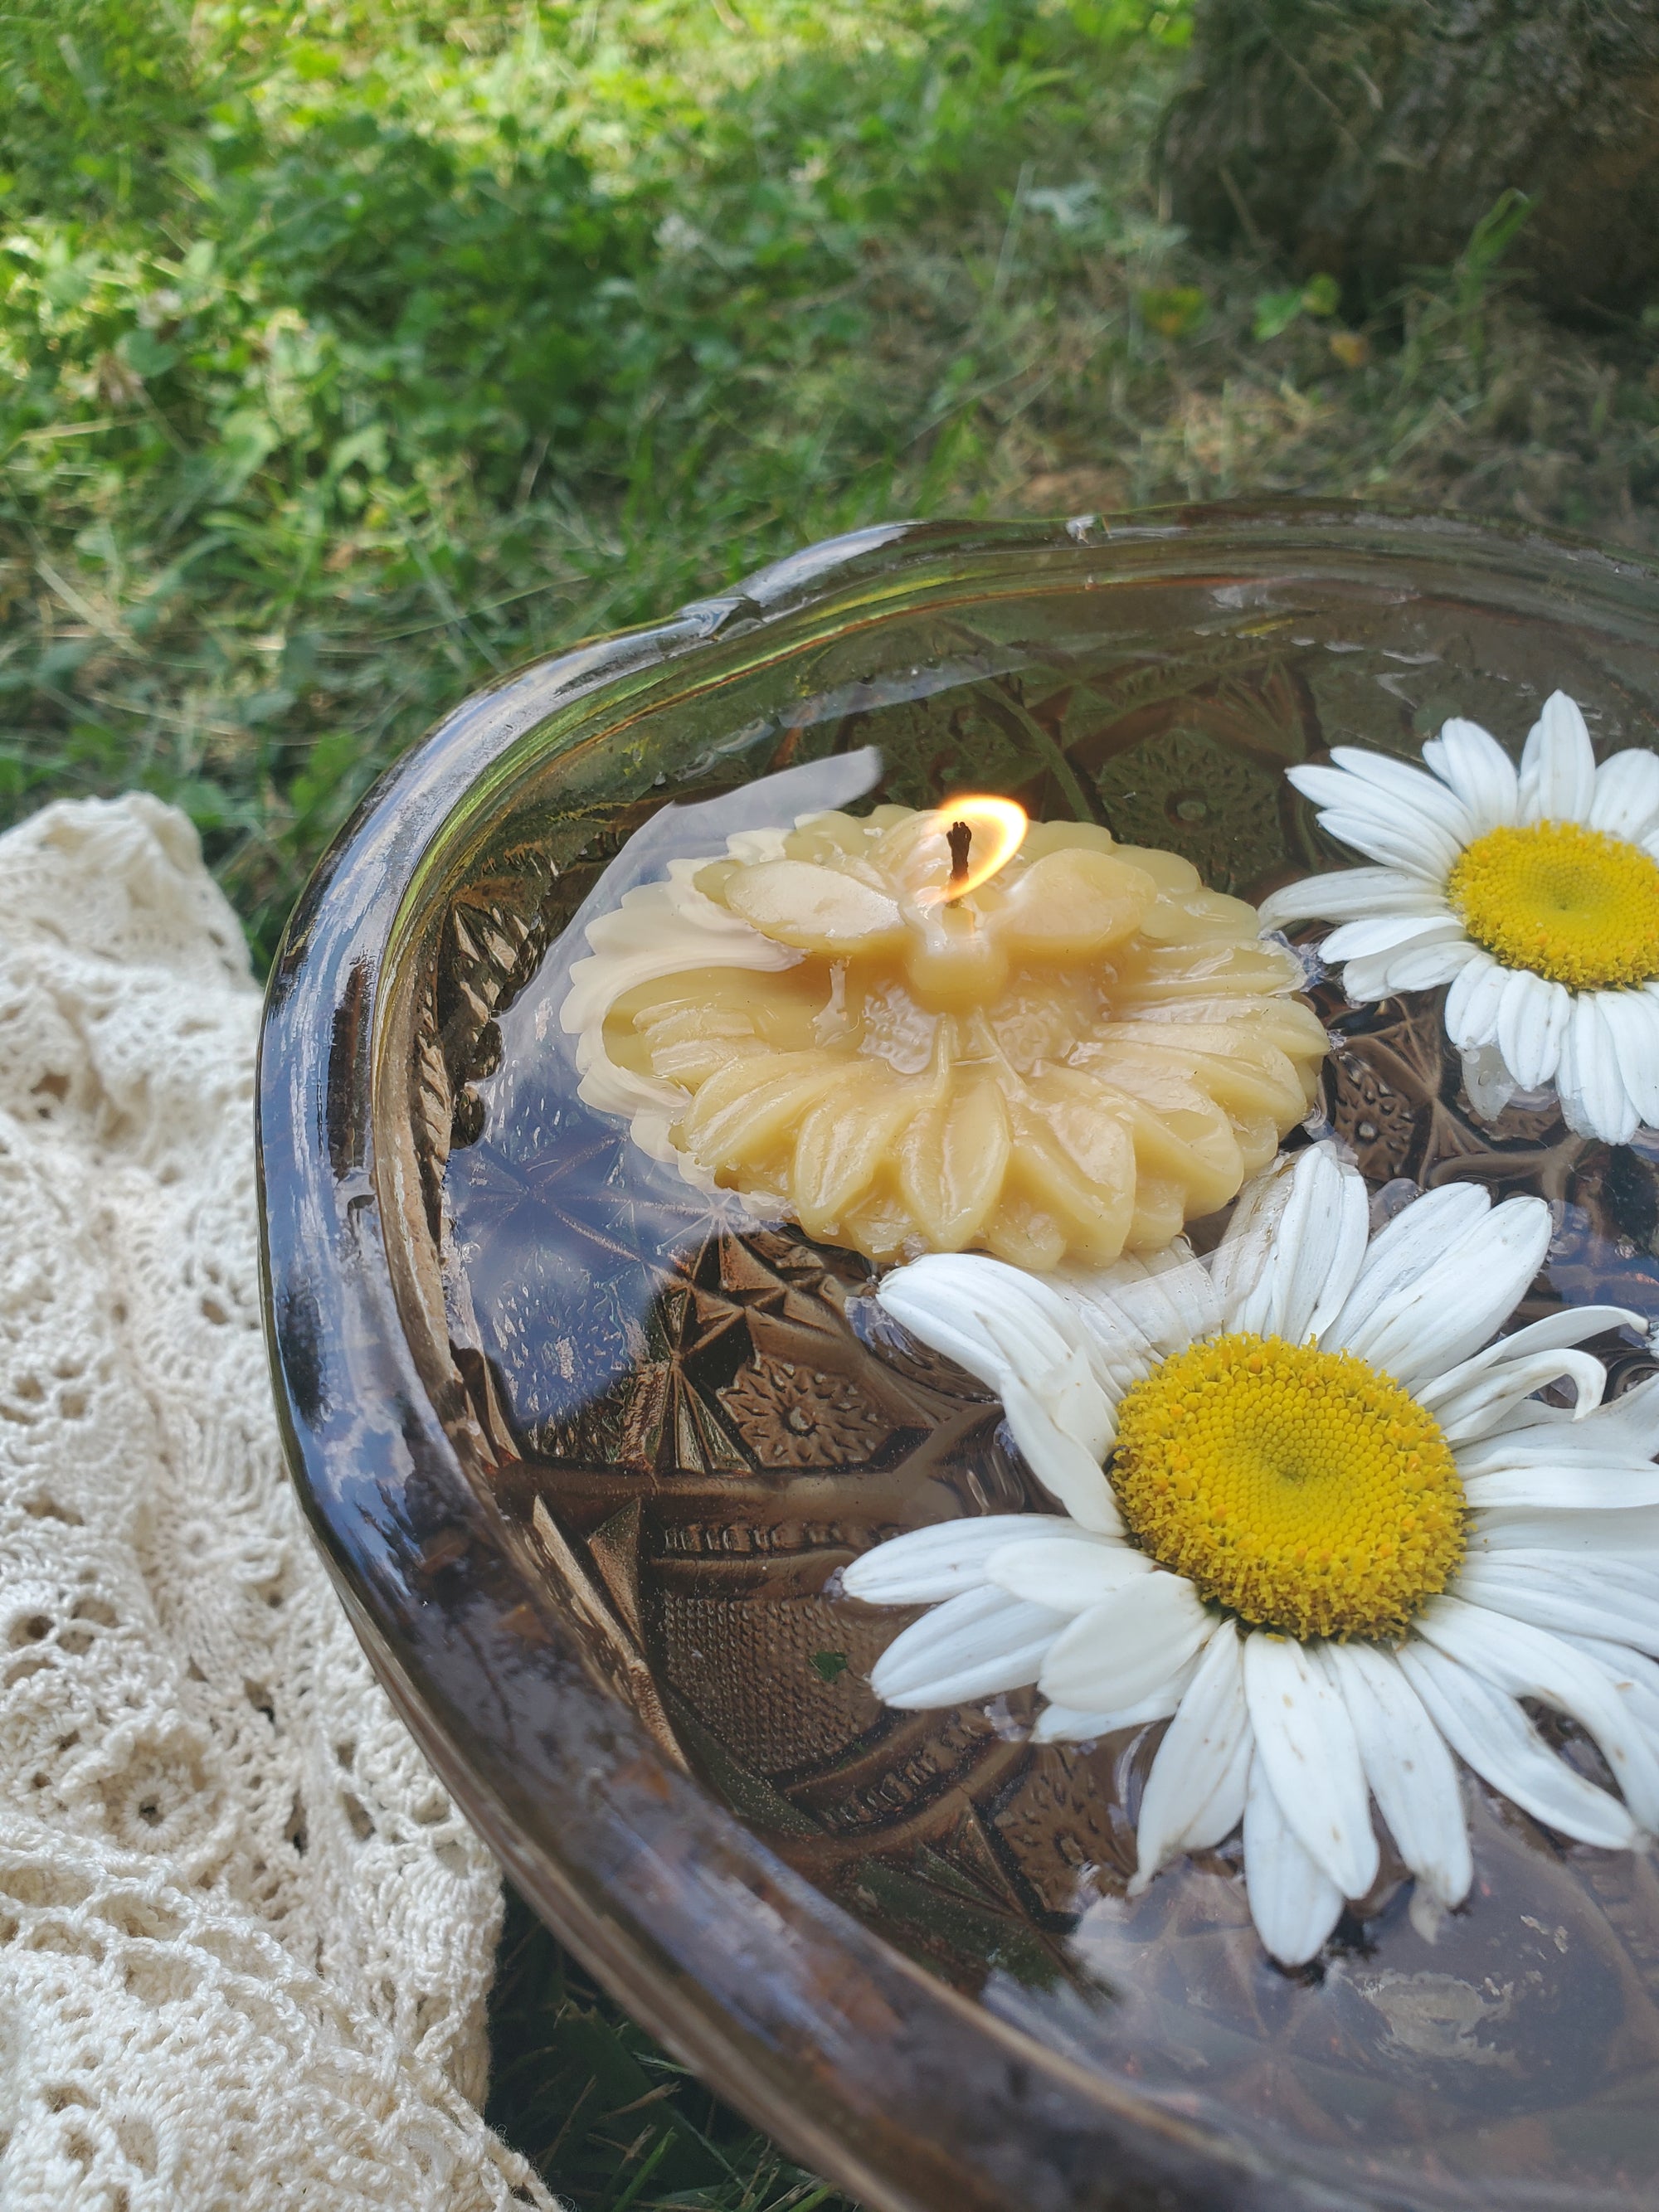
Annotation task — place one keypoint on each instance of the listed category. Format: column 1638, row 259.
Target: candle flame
column 983, row 834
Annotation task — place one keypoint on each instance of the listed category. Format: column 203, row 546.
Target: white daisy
column 1534, row 895
column 1333, row 1539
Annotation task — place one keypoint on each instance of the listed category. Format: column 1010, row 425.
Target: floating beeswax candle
column 933, row 1031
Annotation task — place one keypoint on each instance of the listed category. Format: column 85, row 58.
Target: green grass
column 352, row 350
column 611, row 2120
column 356, row 352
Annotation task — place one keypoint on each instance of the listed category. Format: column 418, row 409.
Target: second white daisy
column 1310, row 1518
column 1534, row 895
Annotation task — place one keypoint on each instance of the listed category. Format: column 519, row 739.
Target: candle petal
column 841, row 1146
column 1073, row 905
column 1080, row 1166
column 745, row 1112
column 815, row 908
column 951, row 1164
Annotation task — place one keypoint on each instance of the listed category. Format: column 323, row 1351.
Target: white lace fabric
column 245, row 1938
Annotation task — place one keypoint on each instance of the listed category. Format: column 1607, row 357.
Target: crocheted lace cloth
column 245, row 1937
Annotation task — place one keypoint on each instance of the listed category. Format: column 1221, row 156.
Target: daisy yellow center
column 1572, row 904
column 1301, row 1489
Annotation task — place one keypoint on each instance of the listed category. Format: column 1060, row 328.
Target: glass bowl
column 585, row 1456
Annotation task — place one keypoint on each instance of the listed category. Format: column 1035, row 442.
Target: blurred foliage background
column 352, row 350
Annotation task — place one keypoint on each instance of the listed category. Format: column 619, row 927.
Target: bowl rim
column 811, row 2023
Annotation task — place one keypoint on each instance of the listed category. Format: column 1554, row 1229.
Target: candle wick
column 959, row 837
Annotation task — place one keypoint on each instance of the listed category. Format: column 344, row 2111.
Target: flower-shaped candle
column 935, row 1030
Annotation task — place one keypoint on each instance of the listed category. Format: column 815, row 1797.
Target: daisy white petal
column 1352, row 1210
column 1575, row 1484
column 1349, row 894
column 1557, row 767
column 1067, row 1724
column 1071, row 1577
column 1305, row 1742
column 1408, row 1767
column 1061, row 1462
column 925, row 1565
column 1420, row 967
column 1593, row 1095
column 1129, row 1647
column 1293, row 1902
column 1532, row 1019
column 1123, row 1352
column 1630, row 1583
column 1626, row 801
column 1194, row 1794
column 1486, row 1398
column 1489, row 1731
column 1551, row 1590
column 1013, row 1320
column 1358, row 940
column 1457, row 1301
column 1378, row 821
column 1635, row 1678
column 1633, row 1581
column 1181, row 1304
column 1472, row 762
column 1529, row 1662
column 1571, row 1325
column 1020, row 1337
column 971, row 1646
column 1630, row 1533
column 1140, row 1310
column 1317, row 1249
column 1487, row 1083
column 1569, row 1086
column 1427, row 967
column 1241, row 1261
column 1473, row 1001
column 1456, row 1396
column 938, row 1319
column 1415, row 850
column 1554, row 1443
column 1364, row 982
column 1630, row 1422
column 1631, row 1018
column 1425, row 796
column 1623, row 1429
column 1401, row 1252
column 1327, row 786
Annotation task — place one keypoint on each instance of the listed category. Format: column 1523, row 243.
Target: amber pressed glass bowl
column 584, row 1451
